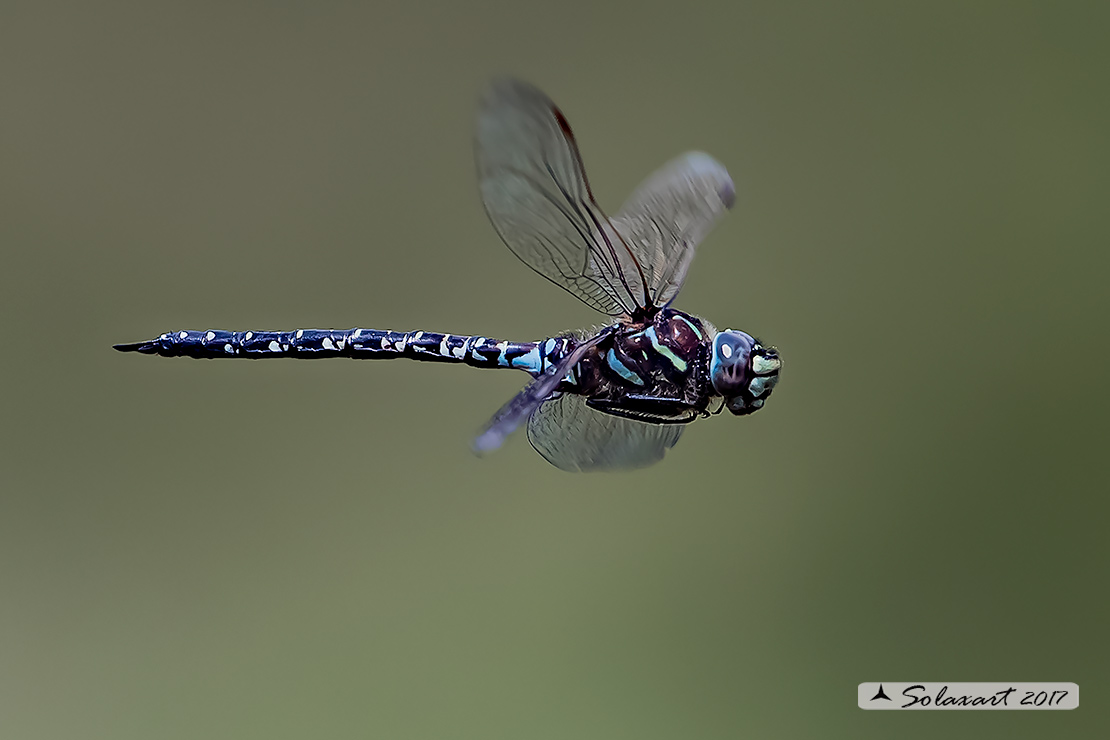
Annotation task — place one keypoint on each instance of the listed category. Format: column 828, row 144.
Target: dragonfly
column 614, row 397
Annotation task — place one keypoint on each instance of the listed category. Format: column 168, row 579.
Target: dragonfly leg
column 651, row 409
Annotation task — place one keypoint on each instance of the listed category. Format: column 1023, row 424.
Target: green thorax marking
column 665, row 351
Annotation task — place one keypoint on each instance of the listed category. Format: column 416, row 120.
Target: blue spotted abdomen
column 370, row 344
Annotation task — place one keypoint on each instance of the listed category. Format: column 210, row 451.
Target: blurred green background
column 289, row 549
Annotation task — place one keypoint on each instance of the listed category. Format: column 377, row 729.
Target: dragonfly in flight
column 617, row 397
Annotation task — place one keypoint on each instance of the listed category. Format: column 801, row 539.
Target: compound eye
column 729, row 364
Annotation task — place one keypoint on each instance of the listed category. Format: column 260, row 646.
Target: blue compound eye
column 728, row 367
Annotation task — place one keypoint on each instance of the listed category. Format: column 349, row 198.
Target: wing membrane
column 523, row 404
column 668, row 216
column 574, row 437
column 535, row 191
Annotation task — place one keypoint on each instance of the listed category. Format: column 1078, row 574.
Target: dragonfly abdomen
column 369, row 344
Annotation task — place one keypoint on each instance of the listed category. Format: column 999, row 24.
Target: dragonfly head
column 743, row 371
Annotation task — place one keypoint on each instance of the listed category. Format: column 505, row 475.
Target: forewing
column 668, row 216
column 573, row 437
column 535, row 191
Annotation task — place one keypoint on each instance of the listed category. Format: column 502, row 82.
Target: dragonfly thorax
column 664, row 350
column 743, row 371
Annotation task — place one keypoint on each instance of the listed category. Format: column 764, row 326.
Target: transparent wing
column 574, row 437
column 522, row 405
column 669, row 214
column 535, row 191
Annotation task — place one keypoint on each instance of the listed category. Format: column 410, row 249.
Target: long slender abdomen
column 369, row 344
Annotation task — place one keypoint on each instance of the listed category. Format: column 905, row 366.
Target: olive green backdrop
column 309, row 550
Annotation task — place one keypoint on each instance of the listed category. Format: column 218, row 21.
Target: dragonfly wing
column 668, row 216
column 573, row 437
column 523, row 404
column 536, row 194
